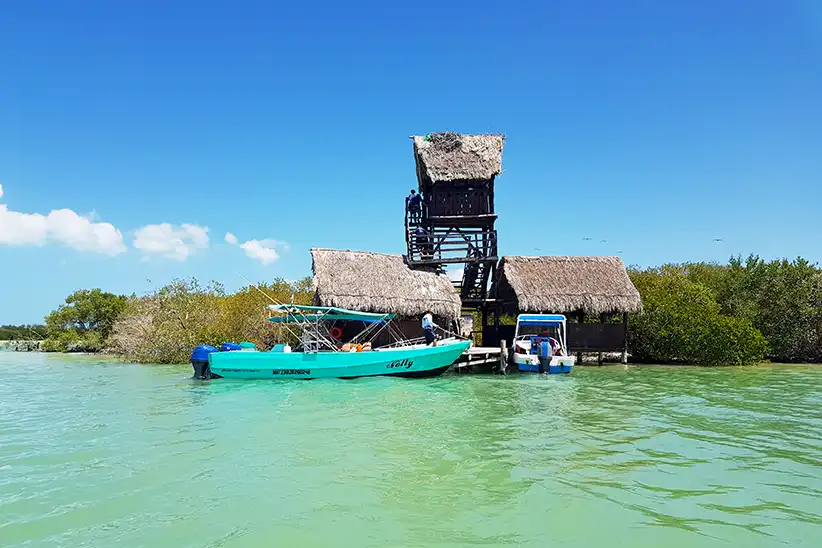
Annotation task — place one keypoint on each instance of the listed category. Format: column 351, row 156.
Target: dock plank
column 483, row 350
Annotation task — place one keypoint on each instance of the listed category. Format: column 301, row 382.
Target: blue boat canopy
column 301, row 313
column 541, row 319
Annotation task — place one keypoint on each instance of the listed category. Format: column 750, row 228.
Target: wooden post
column 625, row 341
column 580, row 319
column 484, row 313
column 494, row 294
column 503, row 357
column 602, row 319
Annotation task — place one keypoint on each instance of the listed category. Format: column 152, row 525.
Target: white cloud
column 262, row 250
column 61, row 226
column 170, row 241
column 82, row 234
column 92, row 215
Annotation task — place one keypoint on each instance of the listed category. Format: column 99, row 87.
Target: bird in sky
column 718, row 240
column 586, row 239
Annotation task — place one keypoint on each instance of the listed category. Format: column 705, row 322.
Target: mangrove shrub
column 682, row 323
column 165, row 326
column 781, row 298
column 84, row 322
column 23, row 332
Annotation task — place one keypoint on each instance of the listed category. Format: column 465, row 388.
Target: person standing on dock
column 428, row 326
column 414, row 204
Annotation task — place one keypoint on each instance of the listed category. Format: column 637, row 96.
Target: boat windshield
column 539, row 325
column 540, row 330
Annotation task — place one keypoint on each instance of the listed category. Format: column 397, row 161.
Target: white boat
column 540, row 345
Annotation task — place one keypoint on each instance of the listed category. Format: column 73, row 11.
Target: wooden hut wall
column 582, row 337
column 457, row 198
column 596, row 337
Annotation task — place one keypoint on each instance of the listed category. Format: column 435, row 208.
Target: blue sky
column 657, row 126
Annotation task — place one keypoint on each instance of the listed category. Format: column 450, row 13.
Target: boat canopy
column 297, row 313
column 554, row 320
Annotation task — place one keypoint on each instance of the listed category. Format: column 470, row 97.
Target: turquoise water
column 98, row 453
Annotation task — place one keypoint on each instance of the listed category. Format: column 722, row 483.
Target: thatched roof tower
column 594, row 285
column 456, row 175
column 448, row 157
column 376, row 282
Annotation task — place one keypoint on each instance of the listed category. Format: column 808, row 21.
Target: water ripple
column 99, row 453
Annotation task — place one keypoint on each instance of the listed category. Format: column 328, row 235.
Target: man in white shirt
column 428, row 326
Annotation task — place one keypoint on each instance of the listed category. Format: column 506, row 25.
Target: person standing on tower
column 413, row 202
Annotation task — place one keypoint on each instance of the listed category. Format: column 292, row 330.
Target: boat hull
column 415, row 361
column 529, row 363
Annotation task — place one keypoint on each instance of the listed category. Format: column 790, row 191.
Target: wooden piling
column 603, row 318
column 503, row 357
column 625, row 340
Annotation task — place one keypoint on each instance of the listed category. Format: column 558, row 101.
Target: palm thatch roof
column 457, row 157
column 594, row 285
column 375, row 282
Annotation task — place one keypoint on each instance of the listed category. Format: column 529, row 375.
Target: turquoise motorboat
column 322, row 354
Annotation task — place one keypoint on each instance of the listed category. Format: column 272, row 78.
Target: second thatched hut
column 567, row 285
column 581, row 288
column 378, row 282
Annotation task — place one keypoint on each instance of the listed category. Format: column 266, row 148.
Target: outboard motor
column 545, row 353
column 230, row 347
column 199, row 360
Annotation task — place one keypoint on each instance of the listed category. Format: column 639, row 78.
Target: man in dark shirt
column 414, row 204
column 423, row 242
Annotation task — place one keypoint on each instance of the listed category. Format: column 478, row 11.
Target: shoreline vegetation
column 740, row 313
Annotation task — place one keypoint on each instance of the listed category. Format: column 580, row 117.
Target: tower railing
column 451, row 246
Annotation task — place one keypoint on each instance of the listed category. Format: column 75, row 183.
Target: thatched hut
column 567, row 285
column 456, row 174
column 576, row 287
column 451, row 157
column 376, row 282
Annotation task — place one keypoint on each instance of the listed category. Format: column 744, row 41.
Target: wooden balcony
column 452, row 246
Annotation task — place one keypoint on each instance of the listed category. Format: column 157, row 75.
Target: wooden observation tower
column 456, row 225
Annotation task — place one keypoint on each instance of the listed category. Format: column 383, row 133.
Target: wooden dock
column 485, row 357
